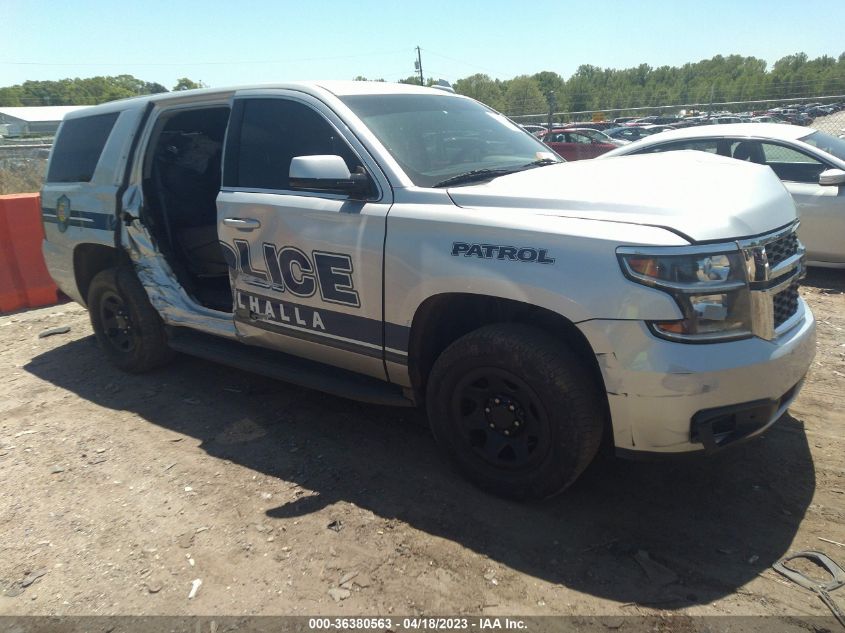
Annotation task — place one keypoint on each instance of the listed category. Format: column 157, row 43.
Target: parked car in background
column 598, row 135
column 724, row 120
column 811, row 164
column 654, row 129
column 578, row 143
column 629, row 134
column 592, row 125
column 654, row 120
column 536, row 130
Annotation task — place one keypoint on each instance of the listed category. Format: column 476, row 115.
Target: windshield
column 827, row 143
column 435, row 138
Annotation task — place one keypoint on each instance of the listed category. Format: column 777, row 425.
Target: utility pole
column 710, row 107
column 552, row 104
column 419, row 66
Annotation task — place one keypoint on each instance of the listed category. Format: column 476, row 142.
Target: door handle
column 242, row 224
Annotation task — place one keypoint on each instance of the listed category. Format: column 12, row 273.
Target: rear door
column 305, row 266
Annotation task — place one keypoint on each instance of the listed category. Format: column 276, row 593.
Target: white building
column 17, row 121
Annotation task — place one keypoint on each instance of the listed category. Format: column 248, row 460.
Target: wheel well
column 443, row 319
column 90, row 259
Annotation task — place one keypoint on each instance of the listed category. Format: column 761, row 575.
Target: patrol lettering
column 526, row 254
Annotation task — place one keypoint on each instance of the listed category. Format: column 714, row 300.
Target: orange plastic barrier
column 24, row 280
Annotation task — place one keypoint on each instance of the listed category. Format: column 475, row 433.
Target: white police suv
column 406, row 246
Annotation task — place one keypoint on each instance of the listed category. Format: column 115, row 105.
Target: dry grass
column 21, row 175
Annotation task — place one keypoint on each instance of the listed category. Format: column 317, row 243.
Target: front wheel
column 126, row 325
column 516, row 410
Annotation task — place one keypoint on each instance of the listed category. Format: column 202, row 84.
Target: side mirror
column 328, row 174
column 832, row 177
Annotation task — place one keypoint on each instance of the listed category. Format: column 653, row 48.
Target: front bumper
column 667, row 397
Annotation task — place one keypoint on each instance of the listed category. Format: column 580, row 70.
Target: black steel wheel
column 501, row 418
column 126, row 325
column 516, row 410
column 117, row 322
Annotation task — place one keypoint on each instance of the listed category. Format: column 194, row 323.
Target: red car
column 578, row 144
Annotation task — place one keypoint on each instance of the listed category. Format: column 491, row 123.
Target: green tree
column 187, row 84
column 523, row 96
column 77, row 91
column 414, row 80
column 552, row 86
column 481, row 88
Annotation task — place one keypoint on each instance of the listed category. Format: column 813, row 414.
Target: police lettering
column 509, row 253
column 292, row 270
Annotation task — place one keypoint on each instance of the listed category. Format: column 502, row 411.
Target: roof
column 778, row 131
column 37, row 114
column 344, row 88
column 314, row 88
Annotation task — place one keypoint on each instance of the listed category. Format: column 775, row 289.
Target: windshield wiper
column 542, row 162
column 475, row 175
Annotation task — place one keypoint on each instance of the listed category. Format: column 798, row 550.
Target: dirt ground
column 118, row 491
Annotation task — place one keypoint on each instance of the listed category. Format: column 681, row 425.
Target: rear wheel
column 126, row 325
column 516, row 410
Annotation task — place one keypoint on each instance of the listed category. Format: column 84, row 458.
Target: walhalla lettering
column 279, row 312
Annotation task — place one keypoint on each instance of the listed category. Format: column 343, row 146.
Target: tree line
column 88, row 91
column 715, row 80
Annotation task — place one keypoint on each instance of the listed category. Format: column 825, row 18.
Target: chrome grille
column 775, row 263
column 781, row 249
column 785, row 304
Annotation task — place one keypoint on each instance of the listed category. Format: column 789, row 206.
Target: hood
column 701, row 196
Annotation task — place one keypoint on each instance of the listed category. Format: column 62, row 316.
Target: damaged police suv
column 407, row 246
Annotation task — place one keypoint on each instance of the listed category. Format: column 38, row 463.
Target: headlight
column 709, row 287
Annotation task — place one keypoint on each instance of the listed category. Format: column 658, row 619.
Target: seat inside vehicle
column 749, row 151
column 181, row 182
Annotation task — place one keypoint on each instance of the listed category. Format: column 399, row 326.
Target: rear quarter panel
column 91, row 205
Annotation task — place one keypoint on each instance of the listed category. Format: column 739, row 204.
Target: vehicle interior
column 789, row 164
column 182, row 173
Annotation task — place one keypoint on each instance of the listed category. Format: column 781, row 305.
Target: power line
column 458, row 61
column 212, row 63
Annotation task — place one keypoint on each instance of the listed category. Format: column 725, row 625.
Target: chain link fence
column 23, row 164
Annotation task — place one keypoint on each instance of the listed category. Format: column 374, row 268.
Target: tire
column 515, row 410
column 126, row 325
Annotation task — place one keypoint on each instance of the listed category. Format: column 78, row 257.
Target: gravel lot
column 119, row 491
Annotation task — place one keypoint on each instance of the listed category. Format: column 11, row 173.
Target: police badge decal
column 63, row 213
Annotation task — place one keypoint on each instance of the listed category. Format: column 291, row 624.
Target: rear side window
column 78, row 148
column 720, row 146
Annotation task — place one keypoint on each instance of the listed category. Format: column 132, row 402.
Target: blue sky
column 226, row 43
